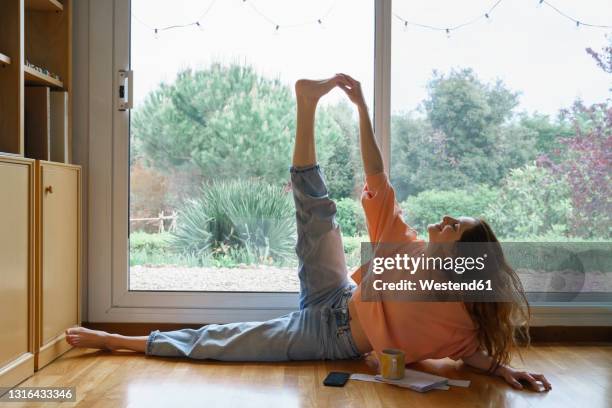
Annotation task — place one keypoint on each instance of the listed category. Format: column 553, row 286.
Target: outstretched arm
column 370, row 153
column 482, row 361
column 382, row 211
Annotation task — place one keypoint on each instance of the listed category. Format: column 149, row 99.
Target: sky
column 529, row 47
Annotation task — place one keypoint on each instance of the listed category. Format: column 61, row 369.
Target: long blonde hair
column 501, row 325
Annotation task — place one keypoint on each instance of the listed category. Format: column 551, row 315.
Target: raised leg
column 322, row 267
column 307, row 94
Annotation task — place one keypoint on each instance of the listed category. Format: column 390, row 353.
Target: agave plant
column 263, row 219
column 192, row 236
column 238, row 216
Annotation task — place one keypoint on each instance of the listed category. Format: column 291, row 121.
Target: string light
column 273, row 22
column 487, row 16
column 157, row 30
column 447, row 30
column 406, row 23
column 567, row 16
column 277, row 26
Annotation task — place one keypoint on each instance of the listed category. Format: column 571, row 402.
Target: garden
column 214, row 147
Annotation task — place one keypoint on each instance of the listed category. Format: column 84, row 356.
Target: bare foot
column 86, row 338
column 314, row 89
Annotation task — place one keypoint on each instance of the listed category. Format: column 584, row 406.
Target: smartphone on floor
column 336, row 379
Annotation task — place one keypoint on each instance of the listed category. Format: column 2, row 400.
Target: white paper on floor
column 459, row 383
column 363, row 377
column 415, row 380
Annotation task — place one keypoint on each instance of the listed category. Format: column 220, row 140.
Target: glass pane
column 212, row 133
column 507, row 119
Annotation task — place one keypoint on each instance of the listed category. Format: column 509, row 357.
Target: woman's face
column 450, row 229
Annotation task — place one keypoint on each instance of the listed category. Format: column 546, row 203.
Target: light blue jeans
column 319, row 330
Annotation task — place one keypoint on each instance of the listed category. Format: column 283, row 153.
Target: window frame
column 104, row 150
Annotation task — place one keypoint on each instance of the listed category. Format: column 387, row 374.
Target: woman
column 333, row 322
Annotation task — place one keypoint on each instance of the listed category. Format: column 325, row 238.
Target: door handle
column 49, row 189
column 125, row 97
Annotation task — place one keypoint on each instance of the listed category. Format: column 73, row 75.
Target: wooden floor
column 581, row 377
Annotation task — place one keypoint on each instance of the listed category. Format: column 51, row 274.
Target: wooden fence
column 160, row 221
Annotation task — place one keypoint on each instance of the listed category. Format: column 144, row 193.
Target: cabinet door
column 16, row 358
column 59, row 266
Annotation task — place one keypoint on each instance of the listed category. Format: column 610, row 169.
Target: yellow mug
column 392, row 364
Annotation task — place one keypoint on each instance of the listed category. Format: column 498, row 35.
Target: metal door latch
column 125, row 79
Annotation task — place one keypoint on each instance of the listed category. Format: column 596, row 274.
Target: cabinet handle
column 49, row 189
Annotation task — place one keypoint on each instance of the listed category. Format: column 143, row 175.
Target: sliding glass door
column 501, row 110
column 495, row 110
column 211, row 133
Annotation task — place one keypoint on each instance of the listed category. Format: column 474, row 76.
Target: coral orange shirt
column 421, row 329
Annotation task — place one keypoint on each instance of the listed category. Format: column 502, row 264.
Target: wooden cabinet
column 40, row 241
column 58, row 257
column 16, row 270
column 40, row 202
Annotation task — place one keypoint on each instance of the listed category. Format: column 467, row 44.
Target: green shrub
column 150, row 243
column 195, row 233
column 532, row 202
column 352, row 250
column 250, row 219
column 157, row 249
column 164, row 258
column 263, row 217
column 350, row 216
column 431, row 205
